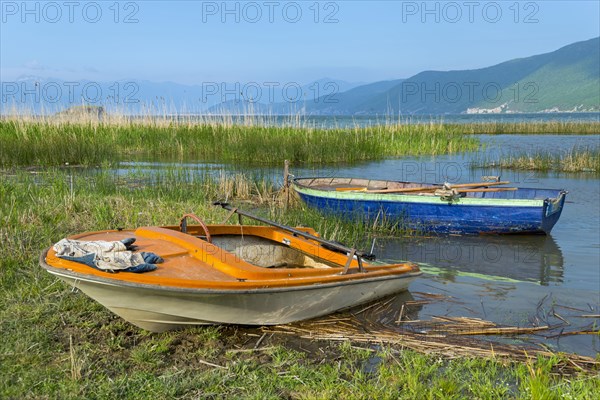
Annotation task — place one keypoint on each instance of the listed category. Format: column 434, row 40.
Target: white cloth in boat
column 107, row 256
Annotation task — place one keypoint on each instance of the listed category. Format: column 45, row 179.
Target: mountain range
column 565, row 80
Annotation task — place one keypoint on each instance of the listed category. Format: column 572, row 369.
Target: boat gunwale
column 402, row 197
column 350, row 279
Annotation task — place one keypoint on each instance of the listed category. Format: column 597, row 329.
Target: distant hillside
column 279, row 98
column 358, row 100
column 567, row 79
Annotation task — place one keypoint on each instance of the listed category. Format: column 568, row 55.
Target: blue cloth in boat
column 107, row 256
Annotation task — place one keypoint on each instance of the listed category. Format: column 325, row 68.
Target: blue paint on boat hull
column 446, row 218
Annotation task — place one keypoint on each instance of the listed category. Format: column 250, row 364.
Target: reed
column 574, row 160
column 533, row 127
column 46, row 141
column 84, row 139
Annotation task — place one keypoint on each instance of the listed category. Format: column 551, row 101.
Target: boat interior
column 266, row 253
column 234, row 254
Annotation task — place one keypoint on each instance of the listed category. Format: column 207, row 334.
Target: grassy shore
column 57, row 343
column 584, row 160
column 48, row 141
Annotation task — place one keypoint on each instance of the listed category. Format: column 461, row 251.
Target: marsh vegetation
column 55, row 141
column 574, row 160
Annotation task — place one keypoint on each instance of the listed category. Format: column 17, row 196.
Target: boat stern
column 552, row 210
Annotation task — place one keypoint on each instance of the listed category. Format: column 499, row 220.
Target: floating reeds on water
column 450, row 337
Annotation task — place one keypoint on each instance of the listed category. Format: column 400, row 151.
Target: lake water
column 364, row 120
column 511, row 280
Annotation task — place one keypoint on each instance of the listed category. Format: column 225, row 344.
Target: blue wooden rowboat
column 437, row 208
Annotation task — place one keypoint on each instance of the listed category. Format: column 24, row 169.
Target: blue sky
column 359, row 41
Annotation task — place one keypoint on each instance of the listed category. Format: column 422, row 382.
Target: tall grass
column 575, row 160
column 27, row 140
column 53, row 141
column 106, row 200
column 534, row 127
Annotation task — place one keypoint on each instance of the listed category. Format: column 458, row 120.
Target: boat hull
column 431, row 214
column 160, row 309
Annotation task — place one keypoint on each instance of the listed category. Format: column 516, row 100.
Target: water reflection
column 519, row 258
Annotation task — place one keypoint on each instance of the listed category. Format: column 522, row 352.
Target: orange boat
column 232, row 274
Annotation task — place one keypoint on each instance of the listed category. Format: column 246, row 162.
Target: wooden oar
column 332, row 245
column 404, row 190
column 505, row 189
column 423, row 188
column 452, row 194
column 433, row 188
column 477, row 184
column 351, row 189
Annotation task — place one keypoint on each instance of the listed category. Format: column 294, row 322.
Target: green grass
column 537, row 127
column 584, row 160
column 51, row 141
column 47, row 142
column 57, row 343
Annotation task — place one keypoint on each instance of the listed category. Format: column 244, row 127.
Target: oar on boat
column 351, row 189
column 352, row 252
column 455, row 194
column 477, row 184
column 426, row 188
column 504, row 189
column 399, row 190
